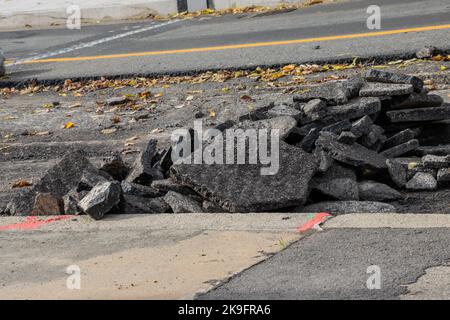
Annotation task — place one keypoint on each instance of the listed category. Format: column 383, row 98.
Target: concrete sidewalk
column 18, row 13
column 137, row 256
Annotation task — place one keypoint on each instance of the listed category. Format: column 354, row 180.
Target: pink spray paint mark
column 32, row 223
column 318, row 219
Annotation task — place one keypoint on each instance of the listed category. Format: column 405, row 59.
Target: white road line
column 90, row 44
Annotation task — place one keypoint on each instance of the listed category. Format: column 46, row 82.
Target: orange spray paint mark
column 318, row 219
column 32, row 223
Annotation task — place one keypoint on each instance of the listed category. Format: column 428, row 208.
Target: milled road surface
column 333, row 264
column 319, row 33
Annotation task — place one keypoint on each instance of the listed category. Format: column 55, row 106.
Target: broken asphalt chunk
column 436, row 162
column 284, row 110
column 440, row 150
column 142, row 171
column 334, row 93
column 242, row 188
column 355, row 155
column 313, row 110
column 373, row 89
column 342, row 207
column 356, row 108
column 139, row 190
column 338, row 182
column 422, row 181
column 401, row 137
column 132, row 204
column 167, row 185
column 415, row 100
column 101, row 199
column 115, row 166
column 47, row 204
column 375, row 191
column 374, row 75
column 58, row 181
column 181, row 203
column 419, row 114
column 401, row 149
column 443, row 176
column 397, row 171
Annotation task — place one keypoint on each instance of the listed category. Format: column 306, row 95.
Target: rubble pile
column 346, row 146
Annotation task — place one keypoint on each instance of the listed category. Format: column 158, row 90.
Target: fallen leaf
column 212, row 113
column 412, row 165
column 443, row 68
column 190, row 98
column 48, row 106
column 76, row 105
column 10, row 118
column 108, row 131
column 438, row 58
column 41, row 133
column 21, row 184
column 157, row 130
column 69, row 125
column 195, row 91
column 246, row 98
column 115, row 119
column 134, row 138
column 289, row 68
column 145, row 94
column 395, row 62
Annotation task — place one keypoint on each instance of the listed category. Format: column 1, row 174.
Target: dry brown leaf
column 21, row 184
column 115, row 119
column 246, row 98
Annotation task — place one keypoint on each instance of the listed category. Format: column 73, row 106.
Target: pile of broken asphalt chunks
column 346, row 146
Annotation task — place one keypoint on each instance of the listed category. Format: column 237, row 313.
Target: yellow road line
column 246, row 45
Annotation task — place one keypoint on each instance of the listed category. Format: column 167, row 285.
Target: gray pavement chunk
column 401, row 149
column 420, row 114
column 242, row 188
column 354, row 155
column 389, row 77
column 372, row 89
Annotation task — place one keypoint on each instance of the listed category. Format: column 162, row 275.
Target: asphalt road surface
column 411, row 261
column 319, row 33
